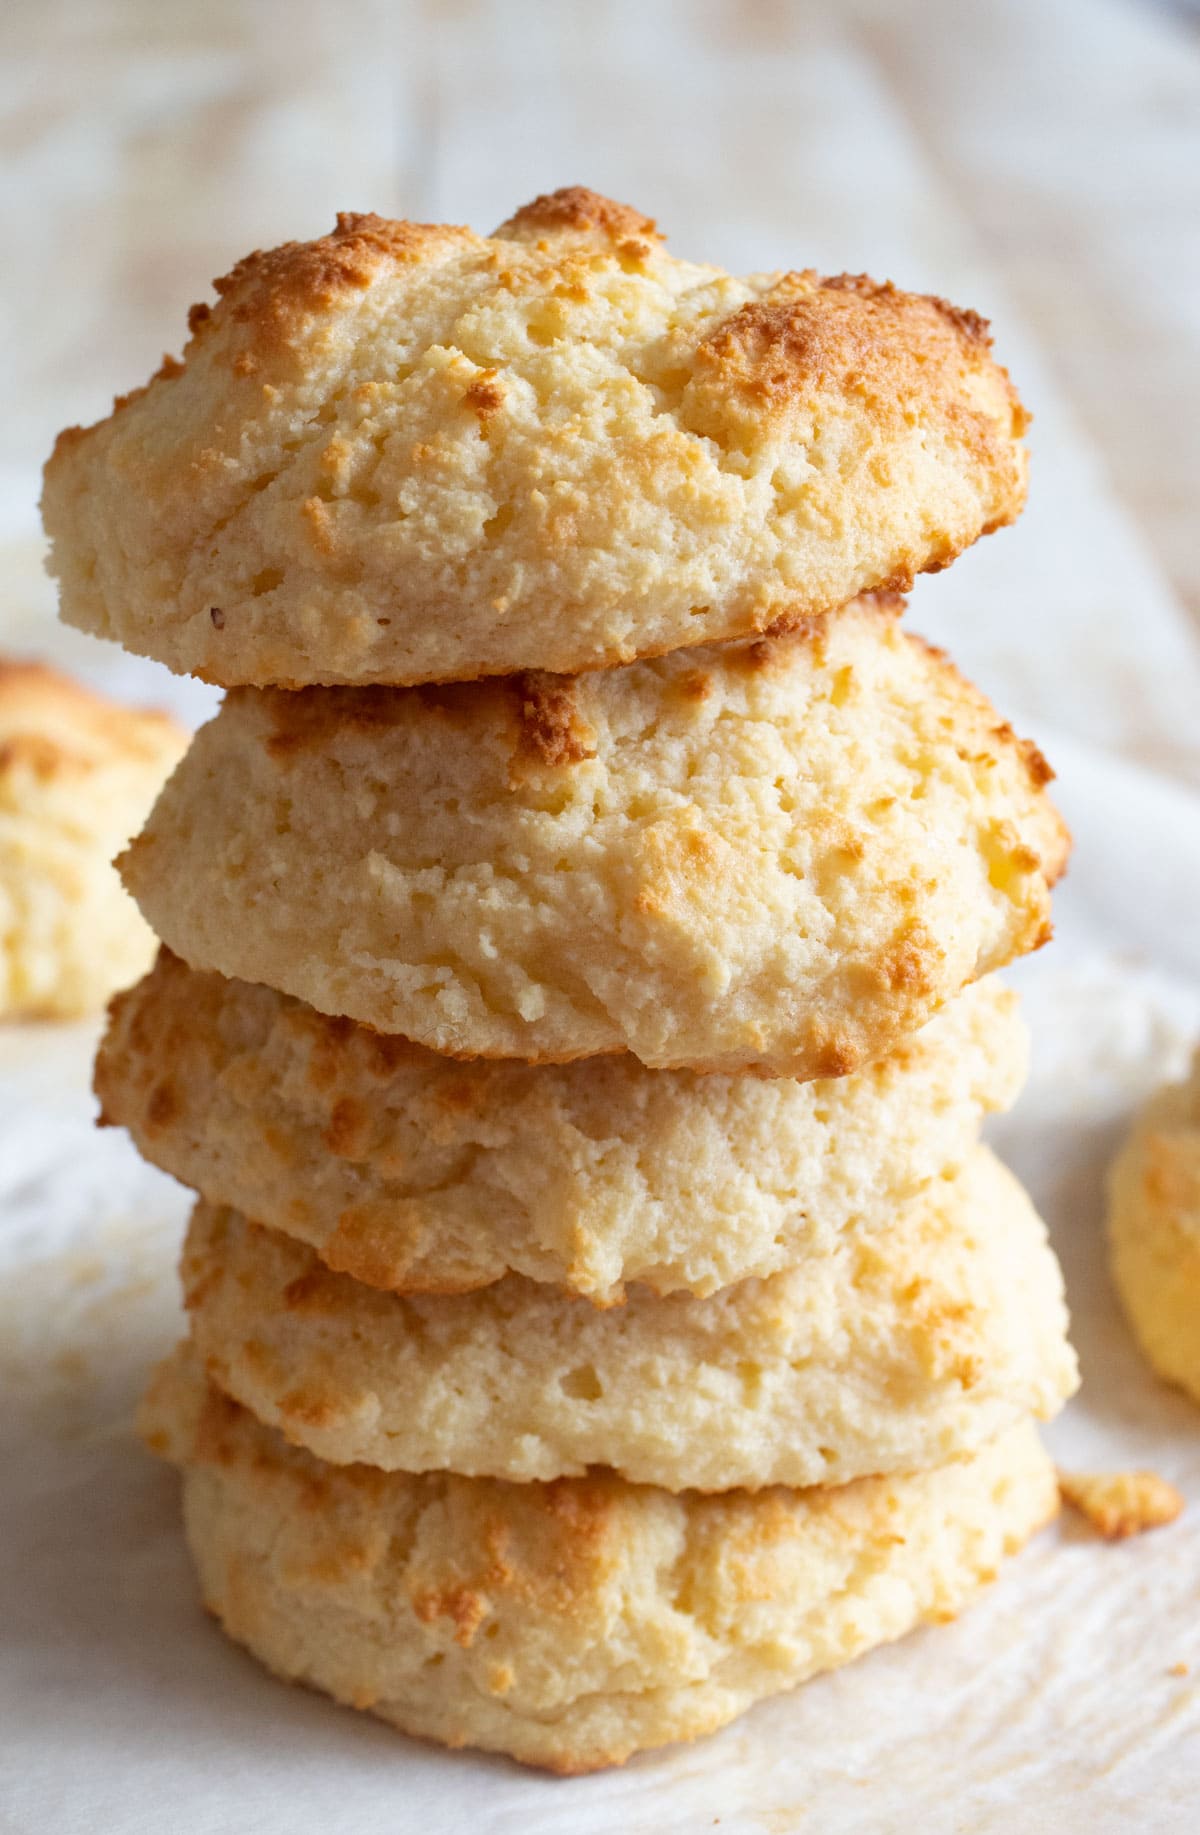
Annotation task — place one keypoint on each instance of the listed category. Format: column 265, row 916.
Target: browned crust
column 269, row 295
column 485, row 395
column 270, row 287
column 550, row 727
column 1041, row 772
column 574, row 207
column 300, row 720
column 843, row 331
column 887, row 600
column 974, row 328
column 850, row 333
column 272, row 293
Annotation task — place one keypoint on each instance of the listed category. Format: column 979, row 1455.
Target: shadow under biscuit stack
column 576, row 1011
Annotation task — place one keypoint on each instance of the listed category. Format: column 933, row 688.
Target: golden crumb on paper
column 1179, row 1669
column 1120, row 1504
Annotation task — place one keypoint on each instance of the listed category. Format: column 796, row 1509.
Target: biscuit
column 417, row 1173
column 894, row 1352
column 782, row 857
column 576, row 1623
column 408, row 453
column 1154, row 1231
column 77, row 775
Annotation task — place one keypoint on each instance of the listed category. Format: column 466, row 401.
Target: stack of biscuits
column 576, row 1009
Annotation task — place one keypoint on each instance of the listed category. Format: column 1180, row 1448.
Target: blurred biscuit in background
column 78, row 773
column 1154, row 1231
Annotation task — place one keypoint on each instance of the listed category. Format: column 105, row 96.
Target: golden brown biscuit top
column 574, row 208
column 844, row 331
column 406, row 453
column 803, row 332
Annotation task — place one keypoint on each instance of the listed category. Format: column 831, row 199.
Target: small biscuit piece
column 1120, row 1504
column 894, row 1352
column 575, row 1623
column 417, row 1173
column 781, row 857
column 77, row 775
column 408, row 453
column 1154, row 1231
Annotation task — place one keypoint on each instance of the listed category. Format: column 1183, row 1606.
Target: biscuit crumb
column 1179, row 1669
column 1120, row 1504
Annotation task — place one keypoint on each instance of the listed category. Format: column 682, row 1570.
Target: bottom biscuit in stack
column 574, row 1623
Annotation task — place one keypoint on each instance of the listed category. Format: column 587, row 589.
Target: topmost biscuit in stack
column 407, row 453
column 723, row 816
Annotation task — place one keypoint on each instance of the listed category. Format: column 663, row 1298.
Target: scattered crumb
column 1120, row 1504
column 1179, row 1669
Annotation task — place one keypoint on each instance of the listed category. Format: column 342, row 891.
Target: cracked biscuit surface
column 420, row 1173
column 780, row 857
column 894, row 1352
column 409, row 453
column 575, row 1623
column 77, row 774
column 1154, row 1231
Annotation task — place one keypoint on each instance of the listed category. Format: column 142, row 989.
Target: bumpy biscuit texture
column 576, row 1623
column 895, row 1352
column 408, row 453
column 418, row 1173
column 783, row 856
column 1154, row 1231
column 77, row 775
